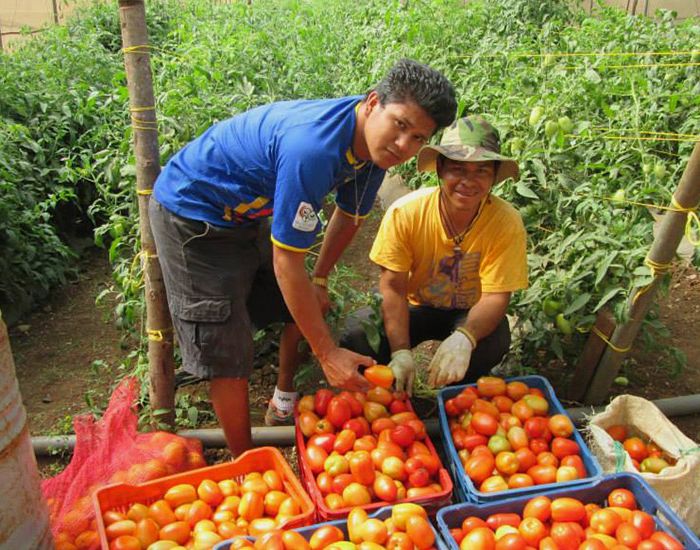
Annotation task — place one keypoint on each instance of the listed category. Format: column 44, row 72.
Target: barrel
column 24, row 517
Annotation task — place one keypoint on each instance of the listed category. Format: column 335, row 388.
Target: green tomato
column 695, row 56
column 647, row 167
column 551, row 129
column 565, row 124
column 563, row 324
column 659, row 170
column 498, row 443
column 536, row 115
column 619, row 196
column 548, row 60
column 516, row 145
column 653, row 464
column 622, row 381
column 550, row 307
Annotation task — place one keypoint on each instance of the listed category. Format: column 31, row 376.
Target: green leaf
column 577, row 304
column 525, row 191
column 607, row 297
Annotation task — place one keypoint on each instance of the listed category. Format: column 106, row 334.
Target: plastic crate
column 121, row 496
column 647, row 500
column 465, row 490
column 432, row 503
column 306, row 532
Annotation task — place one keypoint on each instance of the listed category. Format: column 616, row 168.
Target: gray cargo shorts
column 221, row 286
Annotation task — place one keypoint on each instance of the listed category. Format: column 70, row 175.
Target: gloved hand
column 451, row 360
column 404, row 370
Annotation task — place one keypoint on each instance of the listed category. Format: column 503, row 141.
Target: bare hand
column 340, row 367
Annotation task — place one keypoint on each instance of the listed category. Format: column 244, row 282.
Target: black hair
column 409, row 80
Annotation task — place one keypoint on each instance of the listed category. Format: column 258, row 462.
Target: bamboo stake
column 142, row 105
column 54, row 5
column 663, row 250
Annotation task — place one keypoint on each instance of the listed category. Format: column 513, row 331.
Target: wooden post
column 634, row 7
column 54, row 5
column 142, row 105
column 662, row 252
column 646, row 8
column 590, row 356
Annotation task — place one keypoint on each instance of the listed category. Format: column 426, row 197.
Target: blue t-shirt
column 285, row 156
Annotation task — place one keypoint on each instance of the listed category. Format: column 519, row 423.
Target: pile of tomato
column 506, row 439
column 202, row 516
column 646, row 456
column 408, row 528
column 366, row 447
column 566, row 523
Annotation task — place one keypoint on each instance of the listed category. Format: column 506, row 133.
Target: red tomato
column 325, row 536
column 592, row 544
column 482, row 405
column 636, row 448
column 539, row 507
column 338, row 411
column 617, row 432
column 536, row 427
column 526, row 459
column 644, row 523
column 666, row 541
column 358, row 425
column 315, row 457
column 321, row 400
column 344, row 441
column 325, row 441
column 419, row 478
column 547, row 459
column 503, row 403
column 472, row 522
column 628, row 535
column 362, row 468
column 484, row 423
column 517, row 481
column 481, row 538
column 532, row 530
column 385, row 488
column 403, row 435
column 624, row 498
column 494, row 521
column 491, row 386
column 567, row 509
column 516, row 390
column 451, row 407
column 560, row 425
column 605, row 521
column 325, row 483
column 355, row 405
column 562, row 447
column 566, row 534
column 577, row 462
column 543, row 473
column 340, row 482
column 479, row 467
column 650, row 545
column 511, row 541
column 465, row 400
column 539, row 445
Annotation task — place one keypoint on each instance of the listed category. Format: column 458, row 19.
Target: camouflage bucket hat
column 469, row 139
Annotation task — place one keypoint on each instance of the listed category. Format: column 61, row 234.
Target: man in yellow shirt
column 451, row 256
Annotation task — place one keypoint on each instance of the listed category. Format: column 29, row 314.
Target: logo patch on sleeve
column 305, row 219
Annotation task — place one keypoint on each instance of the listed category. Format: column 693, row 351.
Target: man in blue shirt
column 208, row 212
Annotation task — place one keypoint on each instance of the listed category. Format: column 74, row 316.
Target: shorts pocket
column 205, row 331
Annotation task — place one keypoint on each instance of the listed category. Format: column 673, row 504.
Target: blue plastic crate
column 464, row 487
column 306, row 532
column 647, row 500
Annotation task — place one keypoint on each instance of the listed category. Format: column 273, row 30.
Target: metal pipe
column 283, row 436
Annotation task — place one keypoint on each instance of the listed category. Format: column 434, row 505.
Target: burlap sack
column 678, row 485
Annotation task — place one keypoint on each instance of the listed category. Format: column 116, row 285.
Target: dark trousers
column 429, row 323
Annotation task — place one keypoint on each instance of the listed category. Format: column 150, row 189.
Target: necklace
column 457, row 237
column 358, row 201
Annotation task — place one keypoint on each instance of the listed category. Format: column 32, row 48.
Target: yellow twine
column 144, row 191
column 644, row 132
column 157, row 335
column 605, row 339
column 582, row 54
column 633, row 66
column 635, row 138
column 142, row 48
column 142, row 109
column 691, row 220
column 657, row 269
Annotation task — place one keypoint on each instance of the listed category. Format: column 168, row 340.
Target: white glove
column 451, row 360
column 404, row 370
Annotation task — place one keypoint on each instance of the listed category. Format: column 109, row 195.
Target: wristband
column 469, row 336
column 320, row 281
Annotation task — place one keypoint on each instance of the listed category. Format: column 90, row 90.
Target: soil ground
column 67, row 354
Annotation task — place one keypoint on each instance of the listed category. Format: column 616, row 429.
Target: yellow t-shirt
column 492, row 257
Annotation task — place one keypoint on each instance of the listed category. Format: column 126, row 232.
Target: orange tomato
column 666, row 541
column 636, row 448
column 539, row 507
column 183, row 493
column 379, row 375
column 251, row 506
column 210, row 492
column 420, row 532
column 605, row 521
column 178, row 531
column 198, row 511
column 294, row 541
column 532, row 530
column 325, row 536
column 120, row 528
column 112, row 516
column 125, row 542
column 147, row 531
column 481, row 538
column 617, row 432
column 567, row 509
column 623, row 498
column 87, row 540
column 560, row 425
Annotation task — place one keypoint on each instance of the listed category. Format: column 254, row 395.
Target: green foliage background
column 65, row 138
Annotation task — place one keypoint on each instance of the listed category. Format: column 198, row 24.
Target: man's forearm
column 486, row 314
column 339, row 233
column 296, row 289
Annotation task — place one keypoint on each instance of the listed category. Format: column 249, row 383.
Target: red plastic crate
column 432, row 503
column 121, row 496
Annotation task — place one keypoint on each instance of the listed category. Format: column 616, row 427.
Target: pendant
column 357, row 218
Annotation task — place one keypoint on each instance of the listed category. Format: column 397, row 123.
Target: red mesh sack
column 111, row 450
